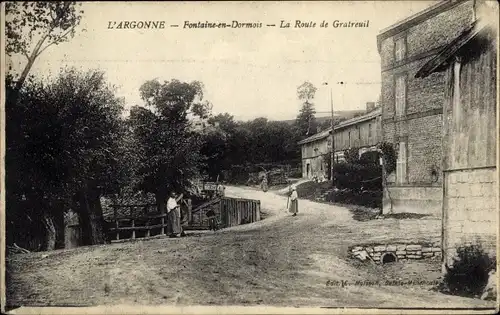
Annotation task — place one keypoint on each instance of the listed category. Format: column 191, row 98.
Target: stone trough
column 387, row 253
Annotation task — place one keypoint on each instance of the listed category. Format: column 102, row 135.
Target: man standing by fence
column 174, row 215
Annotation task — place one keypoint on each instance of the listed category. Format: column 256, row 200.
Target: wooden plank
column 132, row 205
column 137, row 228
column 257, row 212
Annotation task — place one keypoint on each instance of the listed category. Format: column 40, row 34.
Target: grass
column 312, row 190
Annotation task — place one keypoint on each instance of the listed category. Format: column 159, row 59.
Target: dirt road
column 280, row 261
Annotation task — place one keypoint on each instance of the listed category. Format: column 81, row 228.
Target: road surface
column 280, row 261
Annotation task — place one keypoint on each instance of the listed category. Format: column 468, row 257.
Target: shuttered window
column 401, row 164
column 400, row 95
column 400, row 49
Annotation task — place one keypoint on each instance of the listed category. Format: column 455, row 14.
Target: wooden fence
column 137, row 221
column 230, row 211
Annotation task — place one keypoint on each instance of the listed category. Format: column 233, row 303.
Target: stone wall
column 398, row 251
column 414, row 199
column 472, row 215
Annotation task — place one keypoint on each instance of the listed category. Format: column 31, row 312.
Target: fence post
column 162, row 225
column 117, row 229
column 133, row 230
column 258, row 210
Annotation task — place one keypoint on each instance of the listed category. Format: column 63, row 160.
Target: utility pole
column 332, row 155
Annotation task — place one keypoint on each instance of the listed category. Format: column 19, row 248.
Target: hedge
column 358, row 177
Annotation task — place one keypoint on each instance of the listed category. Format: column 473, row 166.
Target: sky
column 248, row 73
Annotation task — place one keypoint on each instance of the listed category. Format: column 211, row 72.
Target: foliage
column 32, row 27
column 169, row 148
column 62, row 142
column 358, row 177
column 351, row 155
column 390, row 156
column 306, row 121
column 253, row 142
column 370, row 157
column 469, row 272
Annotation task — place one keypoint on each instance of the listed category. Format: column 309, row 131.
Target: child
column 213, row 221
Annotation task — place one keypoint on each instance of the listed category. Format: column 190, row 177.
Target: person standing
column 174, row 215
column 294, row 202
column 263, row 184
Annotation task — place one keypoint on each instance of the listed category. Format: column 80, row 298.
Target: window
column 401, row 164
column 369, row 130
column 400, row 95
column 400, row 49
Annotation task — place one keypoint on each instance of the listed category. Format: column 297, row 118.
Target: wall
column 421, row 125
column 470, row 190
column 359, row 135
column 314, row 158
column 359, row 138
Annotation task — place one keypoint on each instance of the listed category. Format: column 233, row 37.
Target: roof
column 417, row 18
column 344, row 124
column 442, row 58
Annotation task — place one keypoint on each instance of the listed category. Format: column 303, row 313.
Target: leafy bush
column 351, row 155
column 358, row 177
column 390, row 156
column 469, row 273
column 370, row 157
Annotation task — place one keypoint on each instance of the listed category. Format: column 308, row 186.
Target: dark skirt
column 174, row 222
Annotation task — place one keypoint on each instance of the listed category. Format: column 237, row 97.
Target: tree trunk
column 50, row 233
column 24, row 74
column 160, row 197
column 96, row 219
column 91, row 218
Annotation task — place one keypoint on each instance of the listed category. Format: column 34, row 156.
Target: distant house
column 469, row 64
column 361, row 132
column 412, row 109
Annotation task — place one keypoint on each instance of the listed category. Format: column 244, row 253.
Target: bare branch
column 56, row 41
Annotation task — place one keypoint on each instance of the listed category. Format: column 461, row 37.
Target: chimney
column 370, row 106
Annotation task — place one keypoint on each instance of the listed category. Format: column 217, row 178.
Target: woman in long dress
column 294, row 202
column 263, row 184
column 174, row 215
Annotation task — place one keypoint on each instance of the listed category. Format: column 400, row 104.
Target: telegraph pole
column 332, row 155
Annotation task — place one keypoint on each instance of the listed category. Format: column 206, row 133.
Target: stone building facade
column 470, row 204
column 363, row 132
column 412, row 109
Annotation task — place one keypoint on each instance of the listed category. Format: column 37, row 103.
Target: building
column 412, row 108
column 469, row 65
column 361, row 132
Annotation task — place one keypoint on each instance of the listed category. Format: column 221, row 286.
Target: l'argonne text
column 283, row 24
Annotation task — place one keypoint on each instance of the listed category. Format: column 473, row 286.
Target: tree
column 170, row 156
column 32, row 27
column 63, row 149
column 306, row 121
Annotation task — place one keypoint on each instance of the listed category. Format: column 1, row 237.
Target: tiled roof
column 325, row 133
